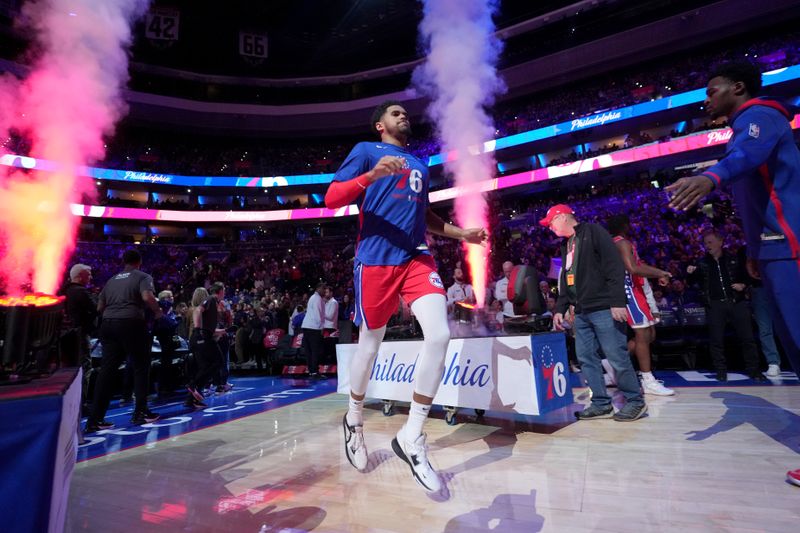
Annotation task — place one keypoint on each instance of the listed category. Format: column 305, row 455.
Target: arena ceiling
column 302, row 37
column 312, row 38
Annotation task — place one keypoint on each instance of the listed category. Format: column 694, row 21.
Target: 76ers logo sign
column 552, row 376
column 435, row 280
column 554, row 373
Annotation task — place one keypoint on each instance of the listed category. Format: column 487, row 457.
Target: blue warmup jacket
column 762, row 166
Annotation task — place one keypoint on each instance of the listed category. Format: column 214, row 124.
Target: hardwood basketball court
column 708, row 459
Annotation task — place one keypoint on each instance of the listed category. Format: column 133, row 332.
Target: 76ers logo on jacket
column 435, row 280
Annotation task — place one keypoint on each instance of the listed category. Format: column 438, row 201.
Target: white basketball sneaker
column 655, row 387
column 415, row 454
column 354, row 447
column 773, row 371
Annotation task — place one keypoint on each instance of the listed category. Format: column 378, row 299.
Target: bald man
column 459, row 291
column 501, row 289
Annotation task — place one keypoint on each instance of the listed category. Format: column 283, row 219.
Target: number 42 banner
column 162, row 24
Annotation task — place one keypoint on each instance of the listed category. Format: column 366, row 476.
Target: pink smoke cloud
column 459, row 74
column 64, row 107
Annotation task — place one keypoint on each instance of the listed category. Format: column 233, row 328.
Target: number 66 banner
column 525, row 374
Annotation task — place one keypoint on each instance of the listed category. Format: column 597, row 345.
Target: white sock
column 417, row 414
column 648, row 376
column 355, row 412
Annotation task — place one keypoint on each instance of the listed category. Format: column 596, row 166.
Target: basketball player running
column 640, row 315
column 390, row 186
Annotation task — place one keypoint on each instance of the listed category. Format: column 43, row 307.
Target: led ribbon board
column 654, row 150
column 582, row 123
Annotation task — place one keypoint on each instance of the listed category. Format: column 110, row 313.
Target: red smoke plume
column 64, row 108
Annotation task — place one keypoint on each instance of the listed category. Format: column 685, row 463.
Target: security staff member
column 124, row 334
column 723, row 279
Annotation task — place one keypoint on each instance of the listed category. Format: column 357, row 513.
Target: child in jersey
column 640, row 312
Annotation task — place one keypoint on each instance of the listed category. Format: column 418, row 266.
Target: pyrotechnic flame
column 460, row 77
column 35, row 300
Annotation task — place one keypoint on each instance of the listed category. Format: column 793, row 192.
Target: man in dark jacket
column 80, row 307
column 165, row 330
column 592, row 281
column 762, row 166
column 81, row 311
column 723, row 280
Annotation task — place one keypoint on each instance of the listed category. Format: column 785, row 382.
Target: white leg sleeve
column 431, row 311
column 369, row 340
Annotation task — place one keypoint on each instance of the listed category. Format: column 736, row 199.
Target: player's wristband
column 341, row 193
column 361, row 179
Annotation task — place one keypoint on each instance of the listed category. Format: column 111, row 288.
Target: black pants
column 312, row 343
column 207, row 357
column 165, row 369
column 121, row 340
column 258, row 353
column 221, row 375
column 719, row 313
column 329, row 346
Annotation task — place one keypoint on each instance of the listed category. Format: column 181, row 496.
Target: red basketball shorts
column 379, row 288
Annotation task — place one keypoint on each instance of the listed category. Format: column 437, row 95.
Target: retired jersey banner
column 490, row 373
column 162, row 24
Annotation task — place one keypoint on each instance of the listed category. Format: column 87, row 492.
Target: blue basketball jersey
column 392, row 210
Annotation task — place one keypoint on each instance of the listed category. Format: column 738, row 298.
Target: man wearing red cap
column 592, row 280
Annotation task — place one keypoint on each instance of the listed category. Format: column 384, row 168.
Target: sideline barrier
column 521, row 374
column 38, row 449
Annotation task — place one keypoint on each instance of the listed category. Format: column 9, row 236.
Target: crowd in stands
column 265, row 202
column 163, row 153
column 664, row 238
column 268, row 279
column 271, row 201
column 167, row 264
column 643, row 84
column 637, row 139
column 149, row 151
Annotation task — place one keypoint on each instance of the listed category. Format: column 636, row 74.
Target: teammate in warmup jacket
column 762, row 167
